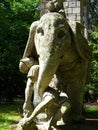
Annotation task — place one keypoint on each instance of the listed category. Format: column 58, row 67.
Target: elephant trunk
column 47, row 70
column 48, row 67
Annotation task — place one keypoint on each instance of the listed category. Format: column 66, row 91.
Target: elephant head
column 53, row 40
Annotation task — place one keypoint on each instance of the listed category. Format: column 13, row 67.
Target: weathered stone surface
column 78, row 17
column 70, row 7
column 78, row 3
column 60, row 60
column 42, row 6
column 72, row 17
column 76, row 10
column 72, row 4
column 65, row 4
column 70, row 10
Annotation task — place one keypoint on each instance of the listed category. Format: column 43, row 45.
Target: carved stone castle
column 72, row 9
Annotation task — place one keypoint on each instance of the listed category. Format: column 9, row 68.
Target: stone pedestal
column 28, row 127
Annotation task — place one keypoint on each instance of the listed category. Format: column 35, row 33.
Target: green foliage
column 15, row 19
column 94, row 64
column 93, row 41
column 92, row 14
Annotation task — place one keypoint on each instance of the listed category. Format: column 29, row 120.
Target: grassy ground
column 9, row 114
column 91, row 111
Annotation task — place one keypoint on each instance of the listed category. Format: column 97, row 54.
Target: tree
column 15, row 19
column 93, row 41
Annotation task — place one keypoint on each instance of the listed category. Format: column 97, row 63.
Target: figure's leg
column 27, row 107
column 32, row 78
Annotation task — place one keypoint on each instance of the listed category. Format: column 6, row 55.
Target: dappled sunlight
column 9, row 114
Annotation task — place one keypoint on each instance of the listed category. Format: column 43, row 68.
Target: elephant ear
column 30, row 50
column 81, row 43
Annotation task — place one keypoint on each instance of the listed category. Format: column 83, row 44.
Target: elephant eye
column 61, row 33
column 40, row 31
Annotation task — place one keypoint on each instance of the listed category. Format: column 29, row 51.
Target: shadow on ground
column 88, row 124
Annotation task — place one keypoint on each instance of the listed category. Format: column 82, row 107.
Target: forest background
column 16, row 17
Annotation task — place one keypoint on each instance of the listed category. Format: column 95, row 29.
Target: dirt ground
column 90, row 123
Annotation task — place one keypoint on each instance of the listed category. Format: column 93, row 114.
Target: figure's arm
column 39, row 108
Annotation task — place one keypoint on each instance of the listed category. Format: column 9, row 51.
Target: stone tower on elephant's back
column 72, row 9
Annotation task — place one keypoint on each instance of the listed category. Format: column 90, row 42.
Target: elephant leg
column 75, row 93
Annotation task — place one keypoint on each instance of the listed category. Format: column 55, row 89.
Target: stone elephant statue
column 61, row 52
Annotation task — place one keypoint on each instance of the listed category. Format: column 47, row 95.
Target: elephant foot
column 27, row 109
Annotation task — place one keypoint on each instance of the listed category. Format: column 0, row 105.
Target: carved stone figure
column 55, row 6
column 48, row 112
column 55, row 56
